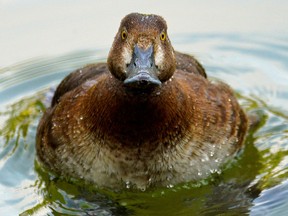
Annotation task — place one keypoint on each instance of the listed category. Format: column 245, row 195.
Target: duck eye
column 123, row 35
column 162, row 36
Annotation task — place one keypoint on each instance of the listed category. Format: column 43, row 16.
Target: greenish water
column 254, row 183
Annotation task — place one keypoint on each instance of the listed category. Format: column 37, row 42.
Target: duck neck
column 137, row 118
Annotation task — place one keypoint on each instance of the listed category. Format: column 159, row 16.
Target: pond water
column 254, row 64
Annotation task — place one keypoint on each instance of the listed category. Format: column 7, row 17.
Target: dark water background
column 251, row 58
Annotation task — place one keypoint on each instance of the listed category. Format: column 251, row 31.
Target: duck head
column 142, row 56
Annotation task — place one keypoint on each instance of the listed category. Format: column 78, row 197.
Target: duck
column 148, row 117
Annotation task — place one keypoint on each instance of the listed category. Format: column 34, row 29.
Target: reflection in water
column 252, row 183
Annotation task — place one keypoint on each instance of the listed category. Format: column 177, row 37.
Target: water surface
column 255, row 182
column 254, row 64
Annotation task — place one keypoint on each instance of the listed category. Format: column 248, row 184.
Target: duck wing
column 77, row 78
column 189, row 64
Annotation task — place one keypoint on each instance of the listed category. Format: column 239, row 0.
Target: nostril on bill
column 143, row 82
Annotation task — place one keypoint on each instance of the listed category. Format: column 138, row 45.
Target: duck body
column 156, row 124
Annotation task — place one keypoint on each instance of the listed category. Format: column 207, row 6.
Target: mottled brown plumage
column 140, row 133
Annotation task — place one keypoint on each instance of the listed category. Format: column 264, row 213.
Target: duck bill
column 142, row 72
